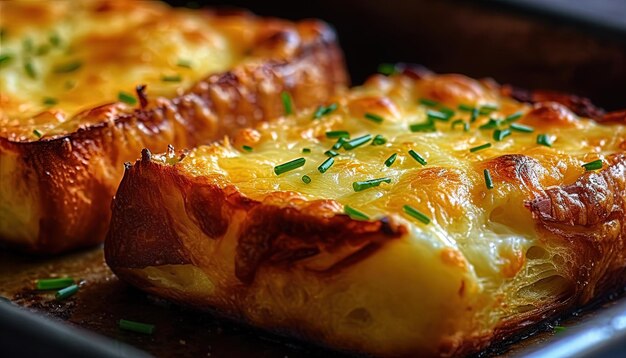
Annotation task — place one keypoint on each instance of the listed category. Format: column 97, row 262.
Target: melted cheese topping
column 61, row 57
column 487, row 231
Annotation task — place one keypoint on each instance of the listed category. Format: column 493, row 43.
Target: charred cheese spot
column 550, row 114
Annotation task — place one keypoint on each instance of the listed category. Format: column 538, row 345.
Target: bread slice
column 452, row 248
column 86, row 85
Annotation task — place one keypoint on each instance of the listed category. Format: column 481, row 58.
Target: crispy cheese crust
column 218, row 229
column 64, row 134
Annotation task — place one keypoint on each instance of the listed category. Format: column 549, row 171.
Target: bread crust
column 228, row 252
column 56, row 191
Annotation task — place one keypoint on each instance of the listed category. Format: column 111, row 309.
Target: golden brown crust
column 75, row 175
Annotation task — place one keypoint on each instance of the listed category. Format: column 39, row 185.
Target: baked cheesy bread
column 85, row 85
column 417, row 215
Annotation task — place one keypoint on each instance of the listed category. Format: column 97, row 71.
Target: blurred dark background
column 576, row 46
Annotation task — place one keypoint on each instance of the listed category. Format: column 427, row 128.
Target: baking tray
column 447, row 36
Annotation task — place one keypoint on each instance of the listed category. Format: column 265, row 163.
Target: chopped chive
column 322, row 111
column 68, row 67
column 391, row 160
column 500, row 134
column 3, row 33
column 306, row 179
column 559, row 329
column 362, row 185
column 474, row 115
column 374, row 117
column 339, row 143
column 331, row 153
column 417, row 157
column 521, row 128
column 513, row 117
column 428, row 126
column 465, row 107
column 487, row 109
column 428, row 102
column 287, row 104
column 379, row 140
column 480, row 147
column 66, row 292
column 437, row 115
column 49, row 101
column 409, row 210
column 326, row 165
column 54, row 39
column 354, row 214
column 544, row 139
column 30, row 70
column 126, row 98
column 247, row 148
column 183, row 63
column 5, row 58
column 37, row 133
column 337, row 134
column 172, row 78
column 493, row 123
column 306, row 150
column 291, row 165
column 488, row 181
column 54, row 283
column 137, row 327
column 466, row 125
column 447, row 111
column 357, row 142
column 42, row 50
column 595, row 165
column 387, row 69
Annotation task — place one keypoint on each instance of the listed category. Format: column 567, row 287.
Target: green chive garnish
column 595, row 165
column 474, row 115
column 5, row 58
column 291, row 165
column 480, row 147
column 306, row 150
column 172, row 78
column 55, row 40
column 493, row 123
column 409, row 210
column 428, row 126
column 306, row 179
column 357, row 142
column 374, row 117
column 37, row 133
column 326, row 165
column 183, row 63
column 137, row 327
column 331, row 153
column 391, row 159
column 247, row 148
column 354, row 214
column 428, row 102
column 559, row 329
column 500, row 134
column 447, row 111
column 49, row 101
column 42, row 50
column 339, row 143
column 54, row 283
column 68, row 67
column 362, row 185
column 466, row 125
column 66, row 292
column 417, row 157
column 126, row 98
column 513, row 117
column 521, row 128
column 379, row 140
column 544, row 139
column 437, row 115
column 387, row 69
column 287, row 105
column 487, row 109
column 488, row 181
column 322, row 111
column 337, row 134
column 465, row 107
column 30, row 70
